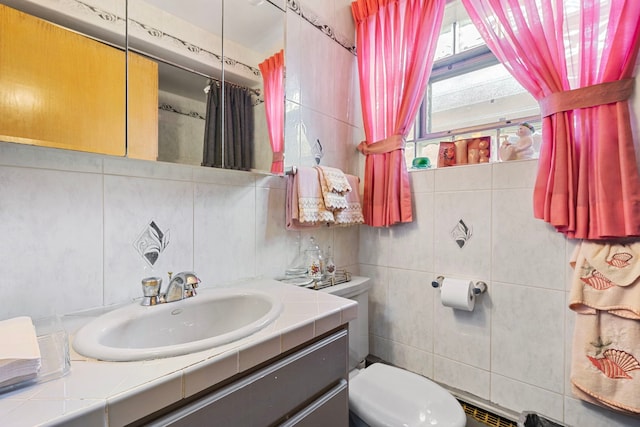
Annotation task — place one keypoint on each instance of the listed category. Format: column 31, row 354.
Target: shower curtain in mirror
column 272, row 70
column 396, row 41
column 233, row 148
column 587, row 185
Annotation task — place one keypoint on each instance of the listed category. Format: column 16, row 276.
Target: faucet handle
column 151, row 290
column 191, row 283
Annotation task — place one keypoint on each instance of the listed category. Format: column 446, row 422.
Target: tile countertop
column 97, row 393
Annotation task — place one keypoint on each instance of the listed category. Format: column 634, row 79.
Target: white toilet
column 383, row 395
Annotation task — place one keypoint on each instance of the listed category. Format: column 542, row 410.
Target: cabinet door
column 276, row 392
column 58, row 88
column 142, row 135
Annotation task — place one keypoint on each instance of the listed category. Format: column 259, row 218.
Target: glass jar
column 313, row 255
column 330, row 266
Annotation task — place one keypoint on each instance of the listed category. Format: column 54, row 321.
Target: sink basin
column 212, row 318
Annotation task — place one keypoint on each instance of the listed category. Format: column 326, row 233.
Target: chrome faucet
column 182, row 285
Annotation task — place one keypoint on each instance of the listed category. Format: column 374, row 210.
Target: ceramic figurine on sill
column 523, row 148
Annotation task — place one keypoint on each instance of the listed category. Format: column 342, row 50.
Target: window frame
column 448, row 67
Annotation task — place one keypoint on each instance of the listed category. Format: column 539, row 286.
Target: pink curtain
column 272, row 70
column 396, row 41
column 587, row 185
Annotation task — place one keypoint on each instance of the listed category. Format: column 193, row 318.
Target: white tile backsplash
column 224, row 239
column 51, row 248
column 130, row 204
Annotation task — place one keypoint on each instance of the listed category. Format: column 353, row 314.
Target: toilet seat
column 383, row 395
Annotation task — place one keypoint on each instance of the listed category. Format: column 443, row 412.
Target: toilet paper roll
column 458, row 293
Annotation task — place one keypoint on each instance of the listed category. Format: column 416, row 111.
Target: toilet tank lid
column 386, row 395
column 356, row 286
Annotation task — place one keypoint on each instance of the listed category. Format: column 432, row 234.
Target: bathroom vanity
column 293, row 372
column 308, row 387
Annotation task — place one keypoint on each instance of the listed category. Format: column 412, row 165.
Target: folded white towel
column 333, row 201
column 334, row 179
column 352, row 214
column 19, row 353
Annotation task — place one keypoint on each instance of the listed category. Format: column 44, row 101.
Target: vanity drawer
column 330, row 409
column 277, row 392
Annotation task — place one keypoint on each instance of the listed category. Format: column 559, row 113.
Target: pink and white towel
column 305, row 203
column 310, row 203
column 605, row 368
column 333, row 200
column 335, row 180
column 352, row 213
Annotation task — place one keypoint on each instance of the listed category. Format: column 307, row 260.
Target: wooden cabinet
column 61, row 89
column 142, row 132
column 306, row 388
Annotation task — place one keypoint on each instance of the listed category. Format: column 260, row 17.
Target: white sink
column 212, row 318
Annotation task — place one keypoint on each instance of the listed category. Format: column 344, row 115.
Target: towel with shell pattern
column 605, row 294
column 606, row 277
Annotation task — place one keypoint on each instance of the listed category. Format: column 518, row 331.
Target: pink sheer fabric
column 396, row 41
column 587, row 185
column 272, row 70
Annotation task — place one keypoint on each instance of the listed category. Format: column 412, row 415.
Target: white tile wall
column 130, row 204
column 51, row 241
column 513, row 350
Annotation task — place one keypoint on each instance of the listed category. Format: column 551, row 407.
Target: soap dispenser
column 314, row 259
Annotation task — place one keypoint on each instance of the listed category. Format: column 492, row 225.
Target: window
column 469, row 94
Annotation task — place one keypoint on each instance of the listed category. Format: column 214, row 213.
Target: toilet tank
column 357, row 290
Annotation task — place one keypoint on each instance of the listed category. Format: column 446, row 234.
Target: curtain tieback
column 278, row 156
column 387, row 145
column 585, row 97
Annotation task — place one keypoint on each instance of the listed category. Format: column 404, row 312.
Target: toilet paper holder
column 478, row 287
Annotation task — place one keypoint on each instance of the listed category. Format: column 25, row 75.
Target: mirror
column 62, row 68
column 175, row 50
column 185, row 41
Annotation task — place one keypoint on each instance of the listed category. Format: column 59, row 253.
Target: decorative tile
column 151, row 242
column 461, row 233
column 474, row 208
